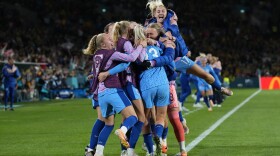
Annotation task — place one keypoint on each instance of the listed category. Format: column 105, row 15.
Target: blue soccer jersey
column 153, row 77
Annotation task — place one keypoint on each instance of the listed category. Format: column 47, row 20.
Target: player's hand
column 174, row 19
column 146, row 64
column 103, row 75
column 143, row 43
column 163, row 39
column 169, row 44
column 151, row 41
column 169, row 35
column 189, row 54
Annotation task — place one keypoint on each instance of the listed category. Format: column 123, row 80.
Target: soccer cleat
column 210, row 109
column 86, row 148
column 130, row 153
column 96, row 154
column 122, row 138
column 148, row 154
column 185, row 126
column 164, row 149
column 198, row 105
column 90, row 153
column 124, row 153
column 158, row 146
column 226, row 91
column 11, row 109
column 183, row 153
column 219, row 105
column 193, row 96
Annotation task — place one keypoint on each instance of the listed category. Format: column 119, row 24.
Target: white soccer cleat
column 131, row 152
column 193, row 96
column 98, row 154
column 198, row 105
column 148, row 154
column 124, row 153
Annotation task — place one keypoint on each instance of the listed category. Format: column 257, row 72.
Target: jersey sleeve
column 166, row 58
column 118, row 56
column 119, row 68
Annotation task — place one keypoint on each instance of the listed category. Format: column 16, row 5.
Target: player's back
column 155, row 76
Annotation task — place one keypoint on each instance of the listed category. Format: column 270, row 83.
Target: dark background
column 244, row 34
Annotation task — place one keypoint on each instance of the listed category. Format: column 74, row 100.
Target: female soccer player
column 121, row 35
column 111, row 97
column 99, row 123
column 205, row 88
column 154, row 31
column 168, row 19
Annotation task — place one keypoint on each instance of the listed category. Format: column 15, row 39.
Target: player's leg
column 107, row 112
column 187, row 65
column 174, row 119
column 96, row 129
column 198, row 71
column 161, row 102
column 185, row 90
column 6, row 97
column 123, row 105
column 104, row 135
column 164, row 137
column 148, row 97
column 139, row 109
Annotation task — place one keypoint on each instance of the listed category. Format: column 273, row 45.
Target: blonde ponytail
column 116, row 32
column 93, row 45
column 120, row 28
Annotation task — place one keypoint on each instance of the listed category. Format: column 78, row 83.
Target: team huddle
column 133, row 74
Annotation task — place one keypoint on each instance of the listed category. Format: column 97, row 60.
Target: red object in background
column 270, row 83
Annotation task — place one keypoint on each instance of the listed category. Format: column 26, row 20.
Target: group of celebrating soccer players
column 133, row 73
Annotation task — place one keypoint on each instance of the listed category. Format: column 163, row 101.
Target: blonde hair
column 158, row 28
column 201, row 54
column 153, row 4
column 139, row 34
column 94, row 44
column 119, row 29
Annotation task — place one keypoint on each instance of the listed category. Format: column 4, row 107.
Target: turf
column 63, row 127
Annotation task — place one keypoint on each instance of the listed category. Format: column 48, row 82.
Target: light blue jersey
column 208, row 69
column 154, row 84
column 155, row 76
column 202, row 84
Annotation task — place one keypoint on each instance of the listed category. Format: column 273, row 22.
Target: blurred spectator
column 243, row 34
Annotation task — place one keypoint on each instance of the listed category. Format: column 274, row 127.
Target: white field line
column 219, row 122
column 190, row 112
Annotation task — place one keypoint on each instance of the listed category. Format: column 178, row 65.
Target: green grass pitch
column 63, row 127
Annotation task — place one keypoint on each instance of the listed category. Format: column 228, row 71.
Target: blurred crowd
column 243, row 34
